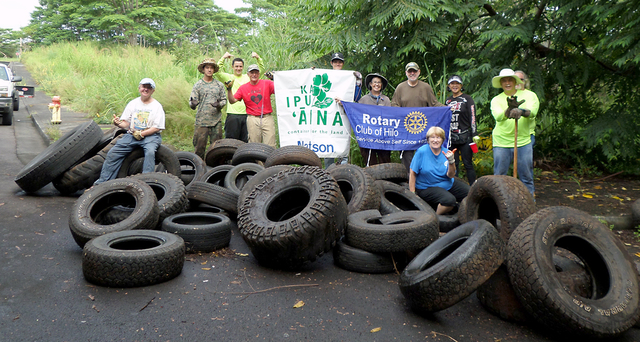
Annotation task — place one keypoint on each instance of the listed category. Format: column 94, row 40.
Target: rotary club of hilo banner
column 309, row 116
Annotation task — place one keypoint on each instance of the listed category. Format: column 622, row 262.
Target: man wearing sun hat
column 209, row 97
column 413, row 93
column 510, row 108
column 143, row 118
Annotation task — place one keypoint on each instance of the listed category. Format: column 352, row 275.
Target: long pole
column 515, row 152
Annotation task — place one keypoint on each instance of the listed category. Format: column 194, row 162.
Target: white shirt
column 142, row 116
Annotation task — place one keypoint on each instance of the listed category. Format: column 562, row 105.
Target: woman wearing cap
column 463, row 125
column 376, row 83
column 432, row 171
column 509, row 108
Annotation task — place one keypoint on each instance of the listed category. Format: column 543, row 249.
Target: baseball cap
column 148, row 81
column 412, row 65
column 455, row 78
column 253, row 67
column 337, row 55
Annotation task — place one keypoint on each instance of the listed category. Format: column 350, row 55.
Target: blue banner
column 395, row 128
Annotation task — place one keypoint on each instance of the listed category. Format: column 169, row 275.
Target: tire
column 16, row 104
column 59, row 156
column 357, row 187
column 452, row 267
column 116, row 214
column 191, row 166
column 292, row 218
column 392, row 172
column 170, row 192
column 252, row 153
column 221, row 151
column 132, row 164
column 133, row 258
column 397, row 232
column 7, row 117
column 259, row 178
column 201, row 232
column 395, row 198
column 293, row 155
column 614, row 306
column 462, row 210
column 635, row 213
column 202, row 192
column 92, row 205
column 216, row 175
column 239, row 175
column 356, row 260
column 502, row 200
column 83, row 175
column 447, row 223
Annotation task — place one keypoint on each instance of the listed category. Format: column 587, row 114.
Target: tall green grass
column 101, row 80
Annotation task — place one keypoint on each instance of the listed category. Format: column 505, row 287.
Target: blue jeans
column 122, row 148
column 503, row 157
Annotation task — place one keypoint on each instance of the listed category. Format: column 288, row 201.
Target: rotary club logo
column 415, row 122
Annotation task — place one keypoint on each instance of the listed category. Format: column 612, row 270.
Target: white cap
column 148, row 81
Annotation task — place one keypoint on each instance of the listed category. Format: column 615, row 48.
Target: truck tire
column 614, row 305
column 252, row 153
column 215, row 175
column 132, row 164
column 221, row 152
column 191, row 166
column 16, row 103
column 259, row 178
column 59, row 156
column 293, row 155
column 201, row 232
column 292, row 218
column 396, row 232
column 239, row 175
column 7, row 117
column 502, row 199
column 203, row 192
column 392, row 172
column 169, row 190
column 395, row 198
column 87, row 211
column 357, row 187
column 133, row 258
column 357, row 260
column 83, row 175
column 452, row 267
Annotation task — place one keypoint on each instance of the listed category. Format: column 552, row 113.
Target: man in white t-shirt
column 143, row 118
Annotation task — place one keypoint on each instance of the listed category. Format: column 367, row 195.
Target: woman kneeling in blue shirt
column 432, row 174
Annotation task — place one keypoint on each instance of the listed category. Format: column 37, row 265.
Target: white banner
column 307, row 112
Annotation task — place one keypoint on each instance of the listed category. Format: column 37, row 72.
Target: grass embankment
column 101, row 81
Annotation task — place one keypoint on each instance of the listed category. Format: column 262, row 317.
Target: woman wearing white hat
column 509, row 108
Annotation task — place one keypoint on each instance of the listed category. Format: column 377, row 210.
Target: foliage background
column 582, row 57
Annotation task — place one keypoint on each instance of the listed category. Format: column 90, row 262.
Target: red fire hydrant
column 54, row 107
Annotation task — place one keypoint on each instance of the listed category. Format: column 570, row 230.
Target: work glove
column 137, row 134
column 269, row 75
column 358, row 78
column 515, row 113
column 450, row 157
column 216, row 104
column 193, row 103
column 512, row 103
column 229, row 84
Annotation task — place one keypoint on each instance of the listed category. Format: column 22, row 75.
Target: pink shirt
column 257, row 98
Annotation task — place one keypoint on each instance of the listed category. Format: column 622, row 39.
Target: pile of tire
column 74, row 161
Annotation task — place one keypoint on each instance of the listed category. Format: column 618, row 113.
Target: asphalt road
column 225, row 296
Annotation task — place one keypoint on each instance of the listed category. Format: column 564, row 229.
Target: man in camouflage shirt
column 209, row 96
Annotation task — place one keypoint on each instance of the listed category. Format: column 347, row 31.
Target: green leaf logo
column 321, row 85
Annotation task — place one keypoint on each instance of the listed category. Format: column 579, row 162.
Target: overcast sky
column 17, row 13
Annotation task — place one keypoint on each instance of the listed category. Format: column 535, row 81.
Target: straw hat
column 208, row 61
column 505, row 73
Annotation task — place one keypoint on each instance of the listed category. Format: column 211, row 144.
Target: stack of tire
column 75, row 160
column 558, row 267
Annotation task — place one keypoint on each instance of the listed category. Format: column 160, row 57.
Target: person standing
column 257, row 97
column 431, row 174
column 143, row 118
column 209, row 97
column 376, row 84
column 526, row 86
column 337, row 63
column 235, row 126
column 510, row 108
column 413, row 93
column 463, row 125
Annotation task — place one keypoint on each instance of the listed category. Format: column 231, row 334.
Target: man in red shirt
column 257, row 98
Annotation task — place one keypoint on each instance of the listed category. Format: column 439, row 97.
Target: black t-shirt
column 463, row 117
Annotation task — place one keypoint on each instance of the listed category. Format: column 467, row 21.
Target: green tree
column 9, row 42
